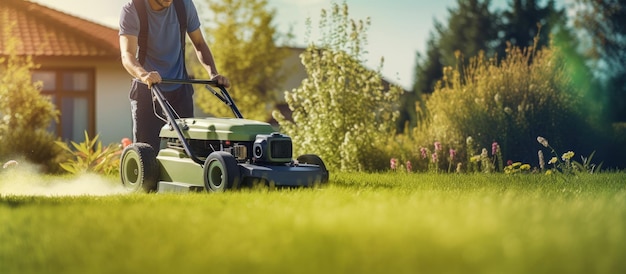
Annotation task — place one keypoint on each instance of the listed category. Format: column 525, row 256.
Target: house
column 80, row 69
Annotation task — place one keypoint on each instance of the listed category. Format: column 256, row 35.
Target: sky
column 399, row 28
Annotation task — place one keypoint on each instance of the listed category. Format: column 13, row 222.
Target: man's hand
column 221, row 80
column 150, row 78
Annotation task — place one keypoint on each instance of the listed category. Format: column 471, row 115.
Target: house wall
column 112, row 108
column 113, row 118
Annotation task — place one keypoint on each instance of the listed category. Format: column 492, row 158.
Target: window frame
column 59, row 93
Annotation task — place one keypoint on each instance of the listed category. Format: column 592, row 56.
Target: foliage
column 341, row 111
column 565, row 163
column 511, row 102
column 243, row 42
column 505, row 104
column 470, row 29
column 26, row 114
column 602, row 25
column 91, row 156
column 428, row 69
column 526, row 19
column 605, row 24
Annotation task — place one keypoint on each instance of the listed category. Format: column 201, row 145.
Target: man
column 163, row 58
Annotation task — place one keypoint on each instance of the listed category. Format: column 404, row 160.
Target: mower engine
column 272, row 148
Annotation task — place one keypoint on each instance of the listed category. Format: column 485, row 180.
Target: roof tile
column 45, row 32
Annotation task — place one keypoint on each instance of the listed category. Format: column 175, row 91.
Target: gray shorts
column 146, row 124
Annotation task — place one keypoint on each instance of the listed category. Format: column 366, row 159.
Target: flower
column 543, row 141
column 525, row 167
column 509, row 162
column 567, row 155
column 452, row 154
column 494, row 148
column 393, row 163
column 438, row 146
column 542, row 162
column 553, row 161
column 475, row 158
column 424, row 153
column 434, row 156
column 409, row 167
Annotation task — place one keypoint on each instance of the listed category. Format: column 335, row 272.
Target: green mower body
column 217, row 154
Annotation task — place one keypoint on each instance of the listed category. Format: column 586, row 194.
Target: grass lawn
column 358, row 223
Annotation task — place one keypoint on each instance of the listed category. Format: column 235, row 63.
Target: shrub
column 91, row 156
column 526, row 95
column 25, row 113
column 341, row 111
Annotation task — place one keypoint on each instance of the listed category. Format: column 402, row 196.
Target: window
column 73, row 92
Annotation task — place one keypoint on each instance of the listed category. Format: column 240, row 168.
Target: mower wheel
column 314, row 160
column 139, row 168
column 221, row 172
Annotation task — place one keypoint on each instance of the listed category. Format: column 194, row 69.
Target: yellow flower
column 567, row 155
column 549, row 172
column 475, row 158
column 525, row 167
column 552, row 161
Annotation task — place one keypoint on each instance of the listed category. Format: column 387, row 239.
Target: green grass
column 359, row 223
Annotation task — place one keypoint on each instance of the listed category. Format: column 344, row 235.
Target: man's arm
column 206, row 57
column 128, row 49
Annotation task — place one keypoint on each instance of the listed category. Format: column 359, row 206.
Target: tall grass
column 359, row 223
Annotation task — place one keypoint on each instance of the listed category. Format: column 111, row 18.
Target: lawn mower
column 215, row 154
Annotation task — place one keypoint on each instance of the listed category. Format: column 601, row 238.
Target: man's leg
column 181, row 100
column 146, row 125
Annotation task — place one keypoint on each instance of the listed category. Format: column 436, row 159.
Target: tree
column 471, row 29
column 604, row 26
column 25, row 113
column 341, row 111
column 428, row 69
column 526, row 21
column 243, row 41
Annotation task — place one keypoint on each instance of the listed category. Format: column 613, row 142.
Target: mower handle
column 190, row 81
column 222, row 95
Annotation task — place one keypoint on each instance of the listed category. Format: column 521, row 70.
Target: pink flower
column 434, row 156
column 424, row 153
column 452, row 154
column 393, row 163
column 509, row 162
column 409, row 167
column 438, row 146
column 494, row 148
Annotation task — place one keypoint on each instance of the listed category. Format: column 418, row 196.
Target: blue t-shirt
column 164, row 48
